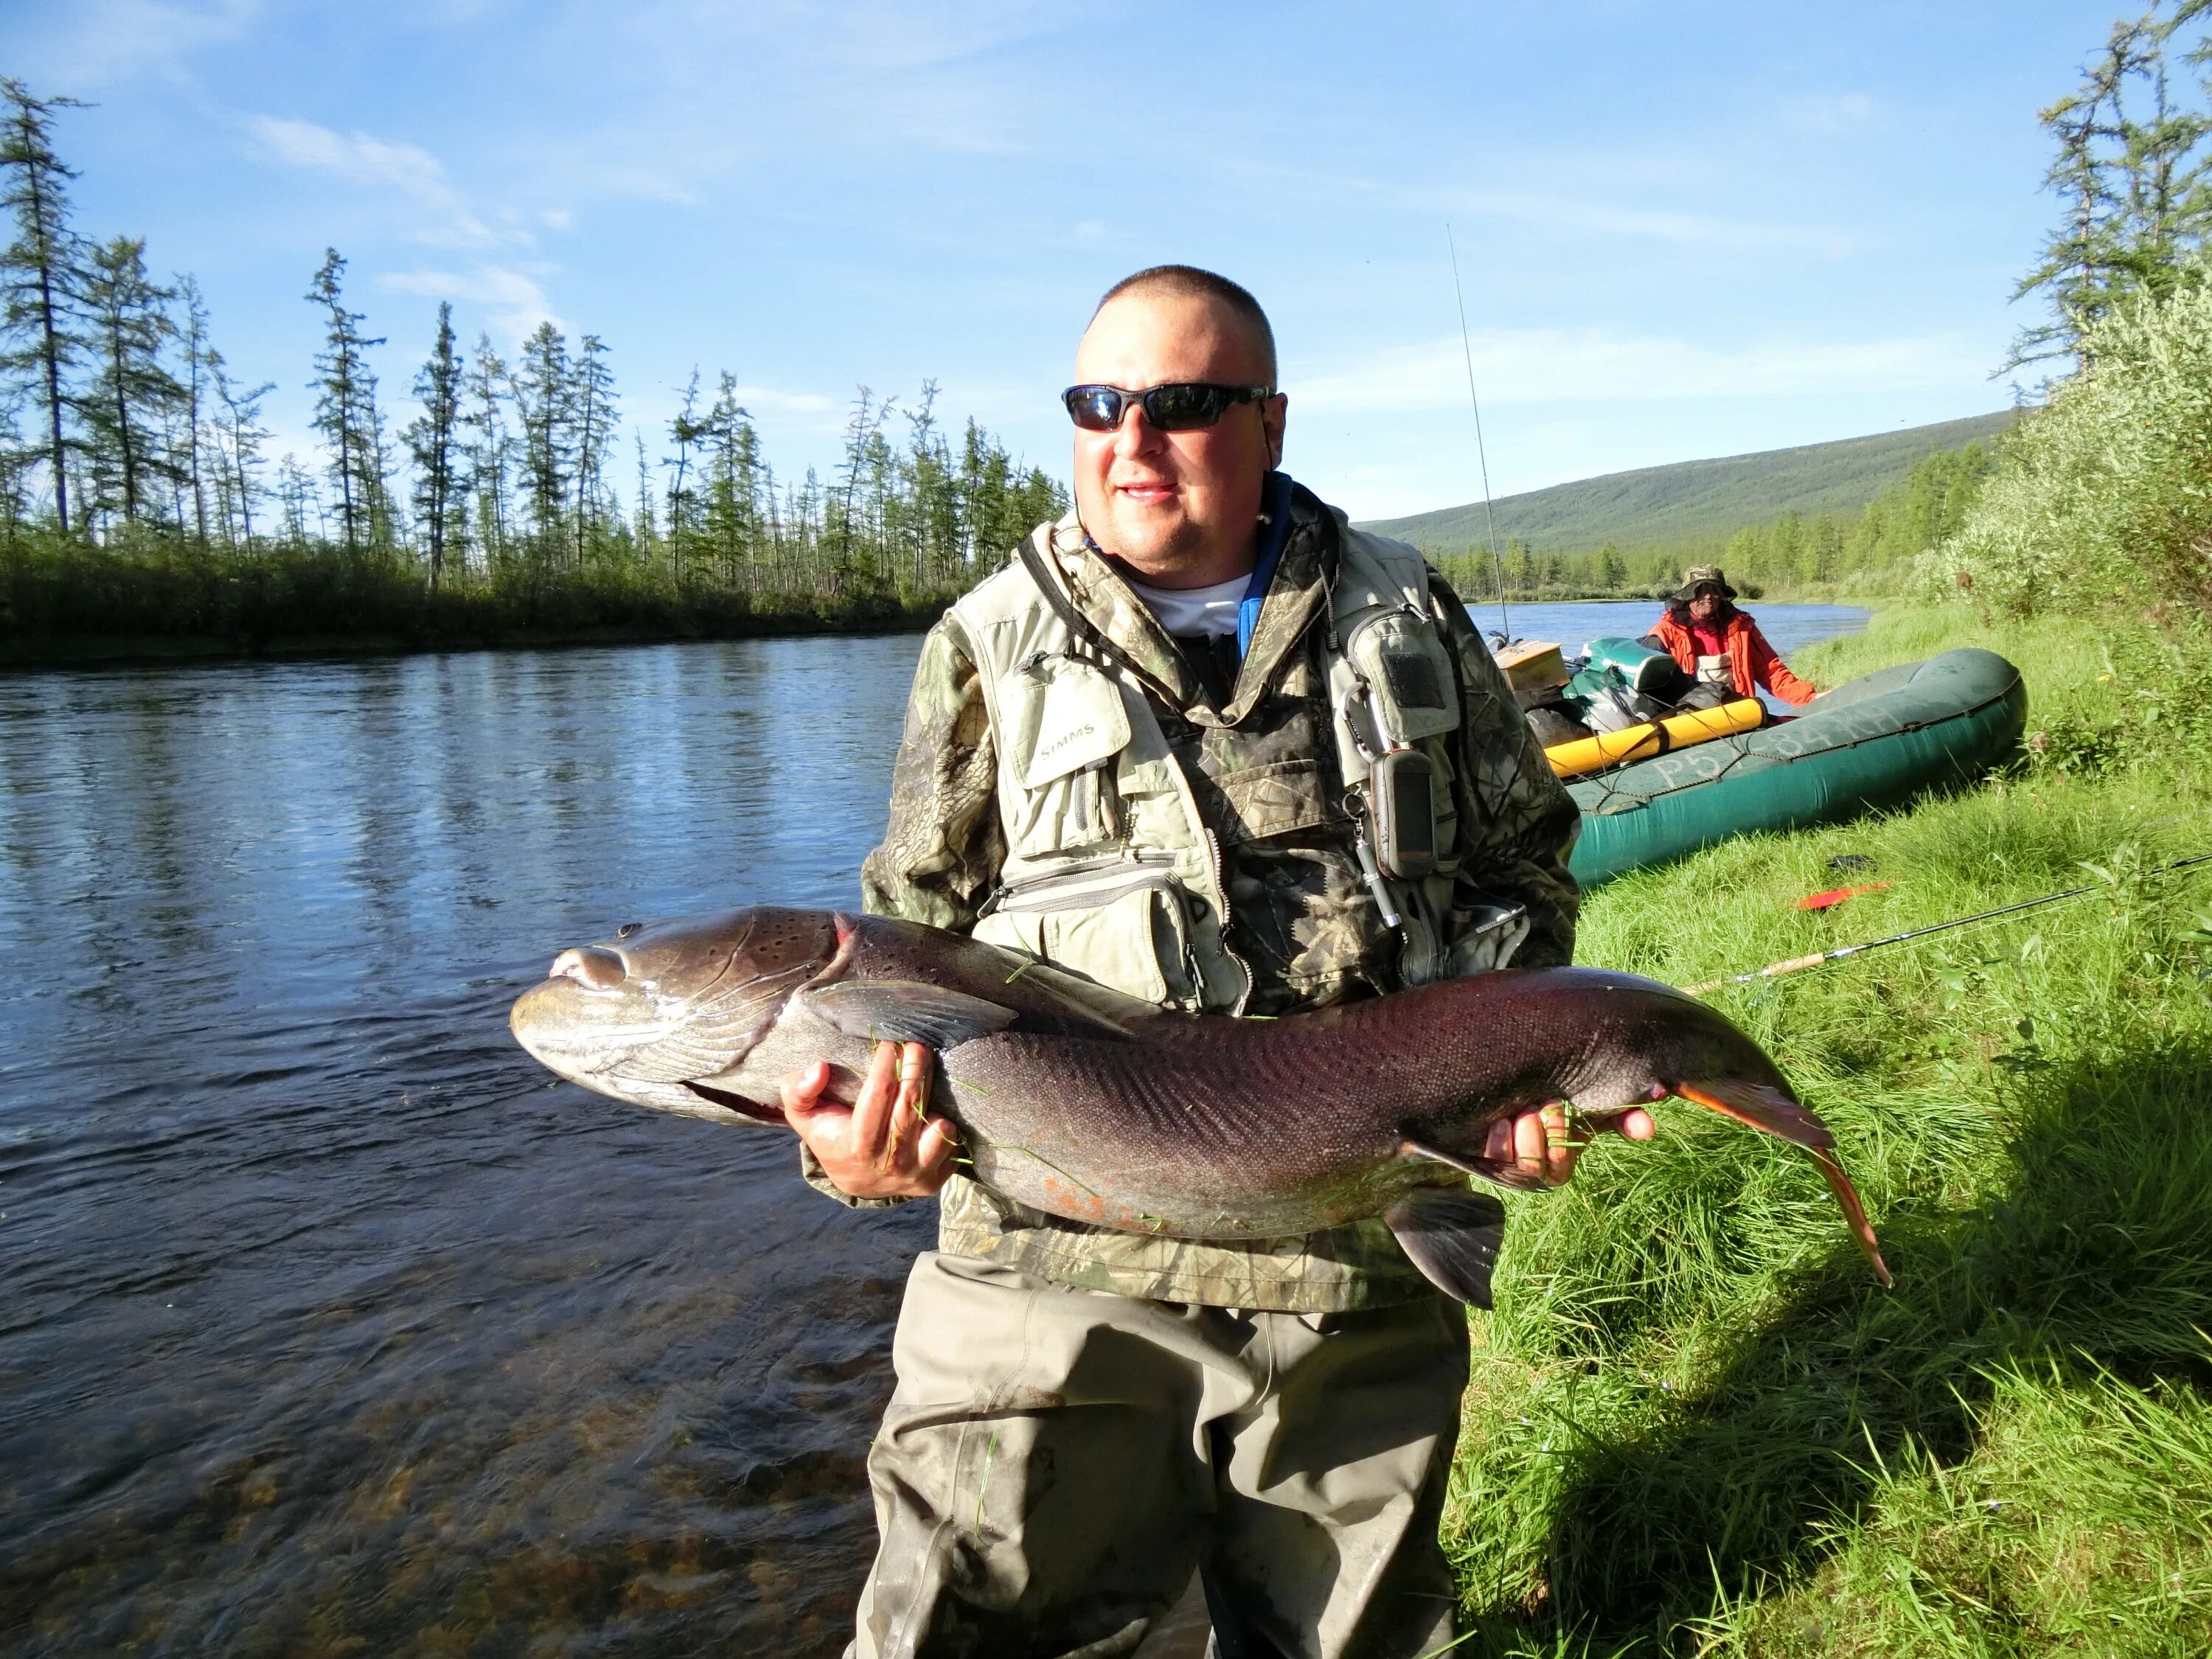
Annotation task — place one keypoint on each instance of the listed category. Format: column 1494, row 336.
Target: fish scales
column 1085, row 1104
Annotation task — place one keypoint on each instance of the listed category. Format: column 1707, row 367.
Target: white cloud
column 511, row 300
column 376, row 164
column 1560, row 366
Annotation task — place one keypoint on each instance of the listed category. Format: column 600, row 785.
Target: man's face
column 1178, row 507
column 1704, row 602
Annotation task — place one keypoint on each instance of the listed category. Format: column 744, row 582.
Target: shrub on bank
column 1695, row 1424
column 2106, row 492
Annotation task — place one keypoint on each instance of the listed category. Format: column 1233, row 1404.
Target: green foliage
column 510, row 528
column 1696, row 1425
column 2105, row 493
column 2134, row 178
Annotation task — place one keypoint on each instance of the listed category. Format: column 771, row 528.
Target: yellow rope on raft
column 1636, row 742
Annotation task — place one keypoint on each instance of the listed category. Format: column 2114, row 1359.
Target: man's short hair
column 1188, row 282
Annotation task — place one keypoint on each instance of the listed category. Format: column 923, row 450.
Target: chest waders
column 1112, row 869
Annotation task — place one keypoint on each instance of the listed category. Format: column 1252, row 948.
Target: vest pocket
column 1409, row 677
column 1137, row 940
column 1062, row 723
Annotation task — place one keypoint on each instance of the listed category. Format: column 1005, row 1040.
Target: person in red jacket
column 1720, row 647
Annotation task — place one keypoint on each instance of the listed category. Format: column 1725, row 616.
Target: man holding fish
column 1203, row 743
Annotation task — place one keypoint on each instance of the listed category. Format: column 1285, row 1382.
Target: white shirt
column 1210, row 612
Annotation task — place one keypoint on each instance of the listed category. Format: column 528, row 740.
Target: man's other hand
column 1547, row 1142
column 881, row 1144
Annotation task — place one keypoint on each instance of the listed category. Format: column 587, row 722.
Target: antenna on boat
column 1489, row 512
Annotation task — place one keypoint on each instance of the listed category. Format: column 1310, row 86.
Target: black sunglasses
column 1183, row 406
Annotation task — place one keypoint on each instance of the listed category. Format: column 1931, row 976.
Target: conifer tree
column 295, row 498
column 346, row 413
column 590, row 405
column 2132, row 174
column 644, row 530
column 433, row 441
column 132, row 395
column 490, row 451
column 238, row 478
column 198, row 357
column 41, row 272
column 540, row 387
column 685, row 429
column 733, row 488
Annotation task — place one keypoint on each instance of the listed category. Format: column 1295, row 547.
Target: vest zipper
column 1221, row 892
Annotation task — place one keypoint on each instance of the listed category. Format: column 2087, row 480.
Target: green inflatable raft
column 1871, row 743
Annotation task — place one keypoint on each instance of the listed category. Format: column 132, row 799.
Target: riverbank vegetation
column 140, row 500
column 1695, row 1426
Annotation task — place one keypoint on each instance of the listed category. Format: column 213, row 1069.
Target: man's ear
column 1275, row 419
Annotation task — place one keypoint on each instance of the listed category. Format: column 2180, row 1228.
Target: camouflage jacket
column 1264, row 767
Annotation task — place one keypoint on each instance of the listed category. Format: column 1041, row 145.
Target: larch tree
column 2134, row 181
column 41, row 272
column 346, row 414
column 490, row 452
column 684, row 430
column 132, row 396
column 433, row 441
column 644, row 530
column 239, row 450
column 199, row 356
column 733, row 468
column 540, row 387
column 591, row 409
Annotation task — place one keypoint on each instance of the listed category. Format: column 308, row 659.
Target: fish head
column 655, row 1013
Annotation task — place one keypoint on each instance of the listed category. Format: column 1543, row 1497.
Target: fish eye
column 627, row 929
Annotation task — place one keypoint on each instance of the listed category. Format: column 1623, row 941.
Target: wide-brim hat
column 1703, row 575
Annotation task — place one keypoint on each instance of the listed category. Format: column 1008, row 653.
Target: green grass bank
column 1697, row 1426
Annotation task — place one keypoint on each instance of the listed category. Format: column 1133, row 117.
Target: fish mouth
column 614, row 1023
column 583, row 1057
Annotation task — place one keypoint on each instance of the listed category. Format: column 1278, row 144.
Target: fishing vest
column 1111, row 868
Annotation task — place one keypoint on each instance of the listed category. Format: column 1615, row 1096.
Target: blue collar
column 1275, row 499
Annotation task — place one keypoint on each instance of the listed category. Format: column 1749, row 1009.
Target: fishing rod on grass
column 1482, row 455
column 1795, row 964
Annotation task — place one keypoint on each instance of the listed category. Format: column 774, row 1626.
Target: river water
column 331, row 1325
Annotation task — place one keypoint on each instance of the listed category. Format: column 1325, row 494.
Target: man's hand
column 883, row 1144
column 1547, row 1142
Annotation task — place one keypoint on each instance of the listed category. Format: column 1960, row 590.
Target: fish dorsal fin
column 1452, row 1236
column 1497, row 1175
column 906, row 1011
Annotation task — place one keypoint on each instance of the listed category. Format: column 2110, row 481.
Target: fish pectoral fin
column 1452, row 1236
column 1761, row 1105
column 906, row 1011
column 1509, row 1176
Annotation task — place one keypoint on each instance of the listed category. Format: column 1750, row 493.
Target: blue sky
column 1685, row 229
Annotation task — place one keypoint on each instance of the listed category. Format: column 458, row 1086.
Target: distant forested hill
column 1696, row 501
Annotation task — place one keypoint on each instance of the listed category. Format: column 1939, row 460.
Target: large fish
column 1082, row 1102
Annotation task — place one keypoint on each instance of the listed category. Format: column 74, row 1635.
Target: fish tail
column 1854, row 1212
column 1764, row 1106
